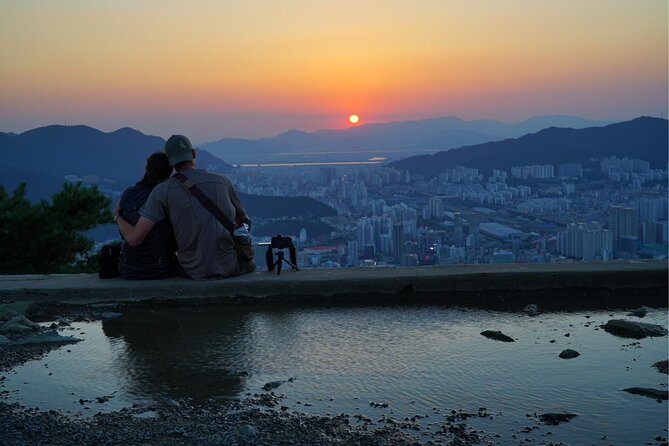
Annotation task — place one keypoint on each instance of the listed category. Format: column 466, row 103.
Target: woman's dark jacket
column 154, row 258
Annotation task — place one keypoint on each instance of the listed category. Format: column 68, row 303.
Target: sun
column 353, row 119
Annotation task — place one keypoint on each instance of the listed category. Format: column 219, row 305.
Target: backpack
column 108, row 261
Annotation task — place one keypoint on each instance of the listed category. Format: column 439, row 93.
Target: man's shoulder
column 201, row 175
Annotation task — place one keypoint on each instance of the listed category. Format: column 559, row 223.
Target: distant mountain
column 645, row 138
column 408, row 136
column 43, row 156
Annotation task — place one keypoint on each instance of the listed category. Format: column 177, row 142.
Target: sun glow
column 353, row 119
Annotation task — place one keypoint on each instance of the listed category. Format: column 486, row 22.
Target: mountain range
column 42, row 157
column 393, row 139
column 644, row 138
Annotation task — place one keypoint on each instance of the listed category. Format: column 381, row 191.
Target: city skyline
column 259, row 69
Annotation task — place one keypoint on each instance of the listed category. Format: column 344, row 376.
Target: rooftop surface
column 446, row 284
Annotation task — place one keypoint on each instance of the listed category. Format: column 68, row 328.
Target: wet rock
column 272, row 385
column 531, row 310
column 556, row 418
column 630, row 329
column 661, row 366
column 18, row 324
column 639, row 312
column 497, row 335
column 49, row 337
column 247, row 431
column 4, row 340
column 9, row 314
column 569, row 354
column 650, row 393
column 110, row 315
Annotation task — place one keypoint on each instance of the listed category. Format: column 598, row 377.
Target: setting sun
column 353, row 119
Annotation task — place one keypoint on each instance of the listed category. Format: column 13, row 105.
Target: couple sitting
column 167, row 226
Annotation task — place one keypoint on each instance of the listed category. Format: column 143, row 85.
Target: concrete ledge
column 445, row 284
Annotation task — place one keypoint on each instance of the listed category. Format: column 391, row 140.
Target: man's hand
column 134, row 235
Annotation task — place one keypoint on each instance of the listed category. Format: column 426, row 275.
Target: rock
column 630, row 329
column 110, row 315
column 9, row 314
column 650, row 393
column 639, row 312
column 18, row 324
column 531, row 310
column 497, row 335
column 272, row 385
column 569, row 353
column 556, row 418
column 4, row 340
column 247, row 431
column 49, row 337
column 662, row 366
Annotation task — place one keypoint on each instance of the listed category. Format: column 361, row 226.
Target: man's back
column 206, row 249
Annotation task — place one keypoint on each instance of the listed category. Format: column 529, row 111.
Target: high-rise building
column 622, row 222
column 398, row 244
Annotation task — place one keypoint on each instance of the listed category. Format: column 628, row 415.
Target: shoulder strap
column 205, row 201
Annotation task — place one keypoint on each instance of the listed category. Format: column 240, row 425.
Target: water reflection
column 187, row 352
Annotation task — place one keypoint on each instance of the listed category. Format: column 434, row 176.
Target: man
column 206, row 249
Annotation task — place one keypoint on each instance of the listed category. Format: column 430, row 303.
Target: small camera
column 280, row 242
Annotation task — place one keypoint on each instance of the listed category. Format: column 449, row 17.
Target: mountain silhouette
column 644, row 138
column 408, row 136
column 43, row 156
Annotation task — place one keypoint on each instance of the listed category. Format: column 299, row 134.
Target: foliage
column 46, row 237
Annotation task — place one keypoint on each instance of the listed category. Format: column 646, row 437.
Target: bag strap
column 205, row 201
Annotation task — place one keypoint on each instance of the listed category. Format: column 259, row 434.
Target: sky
column 215, row 69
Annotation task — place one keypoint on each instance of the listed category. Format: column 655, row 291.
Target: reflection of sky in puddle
column 413, row 358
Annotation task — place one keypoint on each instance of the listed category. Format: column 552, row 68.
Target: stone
column 497, row 335
column 531, row 310
column 247, row 431
column 9, row 314
column 4, row 340
column 18, row 324
column 49, row 337
column 650, row 393
column 639, row 312
column 556, row 418
column 569, row 353
column 662, row 366
column 629, row 329
column 272, row 385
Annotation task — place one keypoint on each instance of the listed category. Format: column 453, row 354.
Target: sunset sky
column 214, row 69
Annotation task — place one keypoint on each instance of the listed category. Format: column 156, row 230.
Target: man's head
column 179, row 150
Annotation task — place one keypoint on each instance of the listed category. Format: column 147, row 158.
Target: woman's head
column 158, row 168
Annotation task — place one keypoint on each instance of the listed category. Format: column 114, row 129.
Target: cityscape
column 612, row 209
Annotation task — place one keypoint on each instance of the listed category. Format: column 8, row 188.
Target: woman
column 154, row 258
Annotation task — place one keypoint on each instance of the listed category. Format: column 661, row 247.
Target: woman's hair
column 158, row 169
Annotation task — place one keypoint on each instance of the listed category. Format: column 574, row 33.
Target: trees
column 46, row 237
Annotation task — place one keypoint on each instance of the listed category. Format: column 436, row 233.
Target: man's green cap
column 178, row 148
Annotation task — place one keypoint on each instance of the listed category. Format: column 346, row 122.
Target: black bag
column 108, row 260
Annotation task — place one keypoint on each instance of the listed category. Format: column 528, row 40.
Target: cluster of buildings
column 526, row 214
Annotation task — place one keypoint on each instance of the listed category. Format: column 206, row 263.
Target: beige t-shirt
column 205, row 246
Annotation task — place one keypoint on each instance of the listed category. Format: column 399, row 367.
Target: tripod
column 279, row 261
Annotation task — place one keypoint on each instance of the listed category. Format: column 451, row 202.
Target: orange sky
column 213, row 69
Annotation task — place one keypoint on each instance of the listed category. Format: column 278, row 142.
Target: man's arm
column 134, row 235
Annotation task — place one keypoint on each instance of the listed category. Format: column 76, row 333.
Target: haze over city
column 228, row 69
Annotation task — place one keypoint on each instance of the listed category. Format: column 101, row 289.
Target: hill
column 42, row 157
column 644, row 138
column 405, row 136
